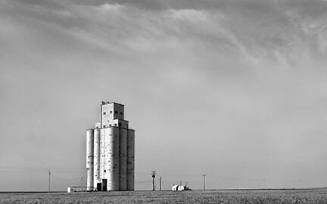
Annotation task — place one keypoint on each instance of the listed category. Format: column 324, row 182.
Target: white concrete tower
column 112, row 151
column 97, row 156
column 89, row 159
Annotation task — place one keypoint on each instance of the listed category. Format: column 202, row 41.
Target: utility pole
column 49, row 181
column 204, row 182
column 81, row 181
column 160, row 182
column 153, row 176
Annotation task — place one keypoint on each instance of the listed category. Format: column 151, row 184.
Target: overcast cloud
column 234, row 89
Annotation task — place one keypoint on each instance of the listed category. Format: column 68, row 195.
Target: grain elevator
column 110, row 151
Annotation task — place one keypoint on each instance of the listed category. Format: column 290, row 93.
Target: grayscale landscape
column 163, row 101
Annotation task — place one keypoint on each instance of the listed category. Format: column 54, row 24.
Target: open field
column 213, row 196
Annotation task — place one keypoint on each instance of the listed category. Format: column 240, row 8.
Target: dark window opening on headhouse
column 121, row 113
column 116, row 112
column 119, row 124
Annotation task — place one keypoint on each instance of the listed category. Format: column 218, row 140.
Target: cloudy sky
column 236, row 89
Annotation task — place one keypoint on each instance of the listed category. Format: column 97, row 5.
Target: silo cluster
column 110, row 151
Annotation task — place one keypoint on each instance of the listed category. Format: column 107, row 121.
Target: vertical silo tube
column 102, row 159
column 106, row 157
column 96, row 169
column 111, row 152
column 89, row 159
column 130, row 159
column 123, row 159
column 116, row 160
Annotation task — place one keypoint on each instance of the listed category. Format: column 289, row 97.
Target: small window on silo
column 110, row 112
column 104, row 113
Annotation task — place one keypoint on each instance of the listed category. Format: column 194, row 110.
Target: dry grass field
column 217, row 196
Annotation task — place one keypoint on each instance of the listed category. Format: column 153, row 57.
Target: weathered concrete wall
column 89, row 158
column 130, row 160
column 120, row 123
column 97, row 156
column 118, row 111
column 109, row 162
column 111, row 111
column 123, row 159
column 107, row 114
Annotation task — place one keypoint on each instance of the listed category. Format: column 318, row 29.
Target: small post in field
column 160, row 182
column 49, row 180
column 204, row 182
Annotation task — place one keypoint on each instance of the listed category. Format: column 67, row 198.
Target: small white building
column 180, row 188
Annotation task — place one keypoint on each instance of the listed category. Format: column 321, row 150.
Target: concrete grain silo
column 123, row 159
column 130, row 159
column 110, row 167
column 96, row 162
column 110, row 151
column 89, row 158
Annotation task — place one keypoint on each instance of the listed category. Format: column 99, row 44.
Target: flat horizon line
column 221, row 189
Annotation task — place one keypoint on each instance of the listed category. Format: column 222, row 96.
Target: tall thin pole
column 204, row 182
column 160, row 181
column 81, row 181
column 153, row 176
column 49, row 181
column 153, row 184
